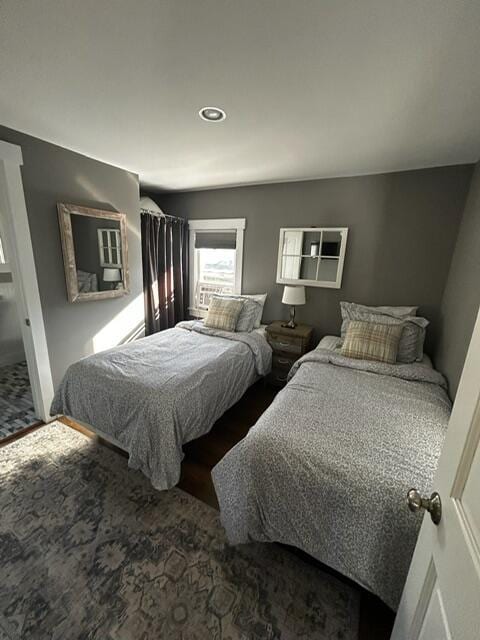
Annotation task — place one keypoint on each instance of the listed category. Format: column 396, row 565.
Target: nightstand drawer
column 282, row 362
column 278, row 377
column 287, row 345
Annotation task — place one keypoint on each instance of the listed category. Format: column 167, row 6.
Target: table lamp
column 293, row 296
column 112, row 275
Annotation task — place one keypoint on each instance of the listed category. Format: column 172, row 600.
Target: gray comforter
column 157, row 393
column 328, row 465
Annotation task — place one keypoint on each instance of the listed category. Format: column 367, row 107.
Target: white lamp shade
column 111, row 275
column 293, row 295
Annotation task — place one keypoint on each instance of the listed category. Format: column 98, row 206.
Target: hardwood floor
column 201, row 455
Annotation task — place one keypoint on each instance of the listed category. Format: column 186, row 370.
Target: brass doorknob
column 433, row 504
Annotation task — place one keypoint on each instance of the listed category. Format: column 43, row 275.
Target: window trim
column 109, row 246
column 220, row 225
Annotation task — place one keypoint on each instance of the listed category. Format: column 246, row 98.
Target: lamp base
column 291, row 323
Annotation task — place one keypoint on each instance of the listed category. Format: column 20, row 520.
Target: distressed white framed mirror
column 94, row 244
column 312, row 256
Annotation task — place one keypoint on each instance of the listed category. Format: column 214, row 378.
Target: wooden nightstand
column 288, row 346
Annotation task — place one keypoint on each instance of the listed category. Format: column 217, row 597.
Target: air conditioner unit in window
column 205, row 291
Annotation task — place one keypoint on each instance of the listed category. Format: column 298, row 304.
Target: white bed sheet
column 262, row 330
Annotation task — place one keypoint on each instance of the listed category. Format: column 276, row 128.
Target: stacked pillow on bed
column 235, row 312
column 385, row 334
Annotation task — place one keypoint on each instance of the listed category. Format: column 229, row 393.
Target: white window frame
column 112, row 231
column 329, row 284
column 214, row 225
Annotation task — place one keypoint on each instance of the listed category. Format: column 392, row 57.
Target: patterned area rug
column 16, row 404
column 88, row 549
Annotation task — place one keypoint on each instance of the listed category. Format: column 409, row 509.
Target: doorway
column 26, row 387
column 17, row 410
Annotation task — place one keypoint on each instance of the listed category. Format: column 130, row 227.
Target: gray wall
column 461, row 299
column 52, row 174
column 402, row 232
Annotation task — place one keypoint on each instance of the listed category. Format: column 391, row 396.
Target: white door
column 441, row 599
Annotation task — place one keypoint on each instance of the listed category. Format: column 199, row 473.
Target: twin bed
column 327, row 466
column 151, row 396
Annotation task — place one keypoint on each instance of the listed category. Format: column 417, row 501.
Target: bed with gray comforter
column 155, row 394
column 327, row 467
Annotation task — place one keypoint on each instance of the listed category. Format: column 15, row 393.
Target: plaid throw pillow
column 248, row 314
column 372, row 341
column 410, row 347
column 223, row 313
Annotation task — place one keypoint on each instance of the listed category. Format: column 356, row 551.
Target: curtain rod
column 160, row 215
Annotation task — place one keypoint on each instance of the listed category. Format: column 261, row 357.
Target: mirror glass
column 98, row 253
column 95, row 252
column 314, row 255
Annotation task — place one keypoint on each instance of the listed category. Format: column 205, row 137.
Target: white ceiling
column 312, row 88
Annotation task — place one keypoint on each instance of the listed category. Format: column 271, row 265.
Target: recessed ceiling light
column 212, row 114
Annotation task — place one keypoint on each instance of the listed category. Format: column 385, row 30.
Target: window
column 216, row 251
column 215, row 274
column 109, row 246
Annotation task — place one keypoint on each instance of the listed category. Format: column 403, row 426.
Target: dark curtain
column 165, row 263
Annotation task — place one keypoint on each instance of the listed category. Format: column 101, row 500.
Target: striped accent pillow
column 223, row 313
column 372, row 341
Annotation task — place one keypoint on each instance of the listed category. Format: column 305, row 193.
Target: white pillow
column 410, row 348
column 260, row 298
column 395, row 312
